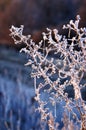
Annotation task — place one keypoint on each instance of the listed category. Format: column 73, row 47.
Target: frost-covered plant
column 58, row 62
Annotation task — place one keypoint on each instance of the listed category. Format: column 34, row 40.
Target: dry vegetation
column 60, row 62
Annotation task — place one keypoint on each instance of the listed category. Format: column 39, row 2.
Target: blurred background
column 15, row 80
column 36, row 15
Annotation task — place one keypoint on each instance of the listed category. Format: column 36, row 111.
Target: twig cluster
column 57, row 64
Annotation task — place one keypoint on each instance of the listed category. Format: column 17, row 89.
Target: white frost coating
column 64, row 68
